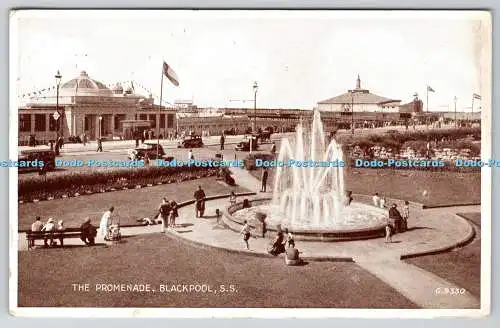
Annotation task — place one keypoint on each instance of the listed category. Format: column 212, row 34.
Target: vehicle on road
column 151, row 149
column 40, row 153
column 244, row 145
column 192, row 141
column 265, row 135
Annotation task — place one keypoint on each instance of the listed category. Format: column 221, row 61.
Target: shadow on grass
column 69, row 246
column 184, row 231
column 220, row 227
column 419, row 228
column 184, row 225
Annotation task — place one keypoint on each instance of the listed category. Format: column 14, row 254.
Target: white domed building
column 86, row 105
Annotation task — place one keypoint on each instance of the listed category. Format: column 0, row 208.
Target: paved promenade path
column 429, row 230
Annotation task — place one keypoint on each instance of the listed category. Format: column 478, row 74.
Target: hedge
column 56, row 186
column 396, row 140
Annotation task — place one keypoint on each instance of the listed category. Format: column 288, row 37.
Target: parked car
column 244, row 145
column 152, row 149
column 40, row 153
column 193, row 141
column 265, row 135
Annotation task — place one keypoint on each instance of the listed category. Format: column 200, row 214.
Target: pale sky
column 297, row 58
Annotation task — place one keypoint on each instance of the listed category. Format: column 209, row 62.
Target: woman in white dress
column 106, row 221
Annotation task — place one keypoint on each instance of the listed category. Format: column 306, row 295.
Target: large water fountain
column 311, row 199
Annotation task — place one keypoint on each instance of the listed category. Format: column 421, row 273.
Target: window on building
column 162, row 121
column 87, row 123
column 170, row 120
column 143, row 117
column 25, row 122
column 152, row 118
column 40, row 125
column 118, row 121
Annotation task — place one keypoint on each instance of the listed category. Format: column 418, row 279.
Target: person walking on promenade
column 163, row 213
column 232, row 198
column 245, row 231
column 199, row 196
column 273, row 148
column 222, row 140
column 389, row 228
column 99, row 145
column 376, row 200
column 106, row 222
column 265, row 175
column 406, row 215
column 174, row 214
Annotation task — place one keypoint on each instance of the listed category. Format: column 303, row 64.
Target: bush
column 83, row 182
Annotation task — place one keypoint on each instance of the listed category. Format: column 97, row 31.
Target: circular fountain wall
column 360, row 221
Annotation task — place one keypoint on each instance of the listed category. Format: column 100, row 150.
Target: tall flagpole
column 427, row 99
column 427, row 106
column 159, row 118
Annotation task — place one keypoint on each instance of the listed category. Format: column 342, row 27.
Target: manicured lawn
column 442, row 188
column 130, row 205
column 461, row 266
column 46, row 277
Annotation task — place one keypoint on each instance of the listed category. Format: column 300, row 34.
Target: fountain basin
column 360, row 221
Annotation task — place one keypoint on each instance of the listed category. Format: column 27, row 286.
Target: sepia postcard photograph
column 250, row 163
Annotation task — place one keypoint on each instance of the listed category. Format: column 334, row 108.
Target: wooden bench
column 68, row 233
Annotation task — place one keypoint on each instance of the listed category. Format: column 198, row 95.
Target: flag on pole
column 430, row 89
column 476, row 96
column 170, row 74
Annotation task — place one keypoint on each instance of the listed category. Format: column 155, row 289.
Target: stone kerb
column 260, row 227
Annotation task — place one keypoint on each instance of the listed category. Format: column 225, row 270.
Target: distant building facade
column 359, row 100
column 87, row 106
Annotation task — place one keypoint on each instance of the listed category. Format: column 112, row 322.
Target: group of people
column 50, row 227
column 397, row 222
column 282, row 243
column 166, row 215
column 88, row 232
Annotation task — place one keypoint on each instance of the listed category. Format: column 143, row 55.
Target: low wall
column 261, row 229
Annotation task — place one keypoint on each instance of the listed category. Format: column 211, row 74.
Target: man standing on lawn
column 265, row 174
column 222, row 140
column 199, row 196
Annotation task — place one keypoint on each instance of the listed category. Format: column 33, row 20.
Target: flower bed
column 93, row 182
column 444, row 145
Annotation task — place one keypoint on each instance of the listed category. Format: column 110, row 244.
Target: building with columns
column 359, row 100
column 85, row 105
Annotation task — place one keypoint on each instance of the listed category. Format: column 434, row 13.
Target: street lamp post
column 255, row 88
column 254, row 128
column 352, row 113
column 100, row 126
column 455, row 100
column 58, row 78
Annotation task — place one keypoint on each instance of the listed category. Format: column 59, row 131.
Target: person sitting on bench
column 88, row 232
column 35, row 227
column 50, row 228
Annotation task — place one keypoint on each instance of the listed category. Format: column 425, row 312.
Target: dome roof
column 83, row 85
